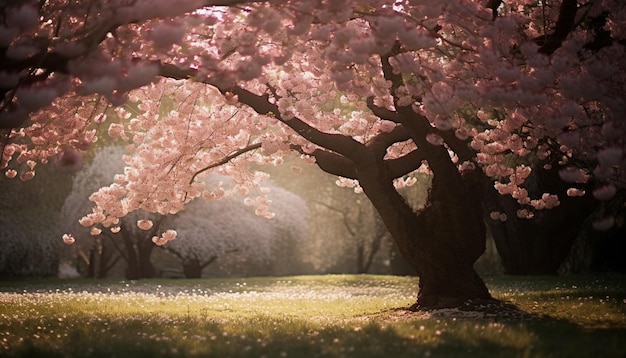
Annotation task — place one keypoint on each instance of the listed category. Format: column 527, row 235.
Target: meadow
column 308, row 316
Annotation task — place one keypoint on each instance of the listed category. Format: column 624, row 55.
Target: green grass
column 307, row 316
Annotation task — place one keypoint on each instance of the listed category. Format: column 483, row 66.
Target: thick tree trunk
column 442, row 241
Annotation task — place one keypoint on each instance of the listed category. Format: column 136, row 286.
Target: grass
column 307, row 316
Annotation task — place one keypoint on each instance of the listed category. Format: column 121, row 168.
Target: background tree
column 208, row 230
column 538, row 79
column 100, row 249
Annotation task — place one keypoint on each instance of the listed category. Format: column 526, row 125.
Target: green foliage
column 306, row 316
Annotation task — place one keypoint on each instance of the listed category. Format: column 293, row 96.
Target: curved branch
column 331, row 163
column 381, row 142
column 342, row 144
column 226, row 159
column 382, row 112
column 404, row 165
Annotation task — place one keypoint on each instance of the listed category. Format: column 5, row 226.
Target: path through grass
column 307, row 316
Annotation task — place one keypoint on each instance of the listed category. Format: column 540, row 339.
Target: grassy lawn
column 307, row 316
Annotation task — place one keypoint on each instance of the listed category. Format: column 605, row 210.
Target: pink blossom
column 159, row 241
column 144, row 224
column 575, row 192
column 116, row 130
column 525, row 214
column 11, row 173
column 28, row 175
column 611, row 130
column 169, row 235
column 68, row 239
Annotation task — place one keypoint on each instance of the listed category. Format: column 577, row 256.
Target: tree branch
column 382, row 112
column 226, row 159
column 564, row 25
column 404, row 165
column 381, row 142
column 344, row 145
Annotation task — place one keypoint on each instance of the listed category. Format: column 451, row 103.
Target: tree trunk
column 138, row 254
column 442, row 241
column 192, row 269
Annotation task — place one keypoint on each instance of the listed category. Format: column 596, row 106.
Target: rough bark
column 441, row 242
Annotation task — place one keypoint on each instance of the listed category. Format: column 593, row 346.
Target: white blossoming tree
column 208, row 230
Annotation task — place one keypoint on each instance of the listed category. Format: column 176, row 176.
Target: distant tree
column 99, row 249
column 209, row 229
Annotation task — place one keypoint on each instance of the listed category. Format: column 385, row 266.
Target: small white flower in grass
column 94, row 231
column 144, row 224
column 115, row 229
column 68, row 239
column 11, row 173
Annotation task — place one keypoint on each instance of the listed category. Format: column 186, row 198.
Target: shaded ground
column 308, row 316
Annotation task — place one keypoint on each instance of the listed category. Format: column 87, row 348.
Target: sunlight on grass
column 305, row 316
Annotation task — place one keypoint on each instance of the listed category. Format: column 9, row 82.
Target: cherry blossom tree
column 473, row 92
